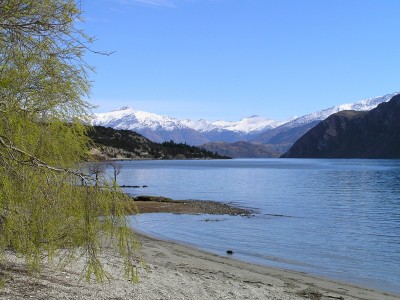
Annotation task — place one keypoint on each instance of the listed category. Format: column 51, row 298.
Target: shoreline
column 178, row 271
column 175, row 270
column 294, row 283
column 151, row 204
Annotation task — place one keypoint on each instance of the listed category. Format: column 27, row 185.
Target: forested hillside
column 109, row 143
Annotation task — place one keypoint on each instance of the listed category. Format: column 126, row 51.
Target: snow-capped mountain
column 245, row 125
column 164, row 128
column 289, row 132
column 363, row 105
column 161, row 128
column 155, row 127
column 131, row 119
column 249, row 124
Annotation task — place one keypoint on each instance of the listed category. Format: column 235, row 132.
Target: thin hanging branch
column 36, row 162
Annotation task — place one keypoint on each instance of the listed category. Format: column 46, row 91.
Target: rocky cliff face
column 351, row 134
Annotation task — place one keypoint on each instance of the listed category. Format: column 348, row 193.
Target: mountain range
column 354, row 134
column 250, row 130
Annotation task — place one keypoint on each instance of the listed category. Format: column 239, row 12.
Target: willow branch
column 36, row 162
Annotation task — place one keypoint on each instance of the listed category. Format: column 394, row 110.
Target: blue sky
column 227, row 59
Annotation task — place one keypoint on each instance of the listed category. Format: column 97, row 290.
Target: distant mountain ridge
column 245, row 149
column 254, row 129
column 294, row 129
column 164, row 128
column 354, row 134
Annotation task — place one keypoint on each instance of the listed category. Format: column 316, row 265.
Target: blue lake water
column 338, row 219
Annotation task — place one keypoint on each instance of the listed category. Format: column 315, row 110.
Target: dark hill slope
column 246, row 150
column 111, row 143
column 351, row 134
column 283, row 134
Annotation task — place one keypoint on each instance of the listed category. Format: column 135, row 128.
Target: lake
column 337, row 219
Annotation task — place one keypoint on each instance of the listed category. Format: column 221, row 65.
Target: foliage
column 141, row 147
column 47, row 203
column 172, row 149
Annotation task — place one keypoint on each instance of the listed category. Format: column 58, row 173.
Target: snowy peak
column 245, row 125
column 129, row 118
column 248, row 124
column 199, row 125
column 363, row 105
column 118, row 119
column 125, row 108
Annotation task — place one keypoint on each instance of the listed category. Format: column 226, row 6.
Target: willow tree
column 47, row 204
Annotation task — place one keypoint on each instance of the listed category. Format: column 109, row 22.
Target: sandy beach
column 175, row 271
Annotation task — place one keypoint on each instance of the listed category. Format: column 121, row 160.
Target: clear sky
column 227, row 59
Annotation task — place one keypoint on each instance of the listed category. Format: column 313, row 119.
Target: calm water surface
column 334, row 218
